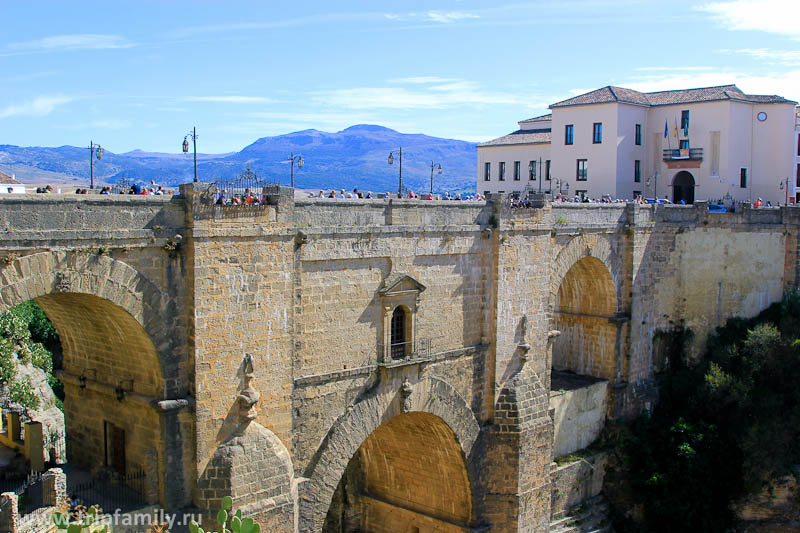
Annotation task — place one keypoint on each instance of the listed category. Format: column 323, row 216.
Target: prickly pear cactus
column 236, row 525
column 62, row 522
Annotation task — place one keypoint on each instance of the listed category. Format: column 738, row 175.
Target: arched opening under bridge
column 408, row 475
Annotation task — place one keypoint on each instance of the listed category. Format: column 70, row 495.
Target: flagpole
column 667, row 135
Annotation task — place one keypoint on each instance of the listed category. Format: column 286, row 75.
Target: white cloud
column 672, row 69
column 38, row 107
column 786, row 57
column 84, row 41
column 110, row 124
column 232, row 99
column 771, row 16
column 786, row 84
column 456, row 93
column 440, row 17
column 422, row 80
column 449, row 16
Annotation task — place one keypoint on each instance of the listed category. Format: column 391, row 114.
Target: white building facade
column 797, row 155
column 714, row 143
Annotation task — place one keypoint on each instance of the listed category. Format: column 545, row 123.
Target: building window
column 685, row 120
column 582, row 172
column 487, row 171
column 516, row 170
column 637, row 138
column 486, row 193
column 798, row 144
column 547, row 170
column 597, row 133
column 743, row 178
column 532, row 170
column 636, row 194
column 637, row 171
column 684, row 144
column 797, row 180
column 399, row 333
column 582, row 195
column 568, row 132
column 502, row 175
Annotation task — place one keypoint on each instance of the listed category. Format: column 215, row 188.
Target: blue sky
column 140, row 74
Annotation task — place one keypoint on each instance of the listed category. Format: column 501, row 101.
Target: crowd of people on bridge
column 411, row 195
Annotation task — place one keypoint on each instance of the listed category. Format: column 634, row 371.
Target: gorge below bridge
column 375, row 365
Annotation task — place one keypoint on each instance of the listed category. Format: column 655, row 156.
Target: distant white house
column 707, row 143
column 9, row 185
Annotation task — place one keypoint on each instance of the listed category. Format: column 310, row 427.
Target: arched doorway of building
column 408, row 475
column 683, row 188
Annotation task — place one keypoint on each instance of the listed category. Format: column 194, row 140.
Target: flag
column 675, row 131
column 666, row 129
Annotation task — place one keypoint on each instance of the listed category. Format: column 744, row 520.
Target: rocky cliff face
column 776, row 508
column 50, row 416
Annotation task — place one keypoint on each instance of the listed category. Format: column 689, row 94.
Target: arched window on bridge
column 400, row 300
column 399, row 340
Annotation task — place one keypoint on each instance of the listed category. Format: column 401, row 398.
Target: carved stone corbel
column 248, row 397
column 63, row 282
column 405, row 396
column 524, row 346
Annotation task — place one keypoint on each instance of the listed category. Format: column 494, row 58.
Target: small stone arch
column 596, row 246
column 51, row 273
column 430, row 395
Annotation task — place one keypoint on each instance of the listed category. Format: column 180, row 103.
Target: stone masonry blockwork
column 245, row 355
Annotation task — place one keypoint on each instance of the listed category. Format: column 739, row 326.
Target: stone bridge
column 375, row 364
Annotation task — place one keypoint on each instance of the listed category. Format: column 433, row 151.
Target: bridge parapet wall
column 61, row 217
column 392, row 212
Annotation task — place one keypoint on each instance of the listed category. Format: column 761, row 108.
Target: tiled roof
column 542, row 118
column 537, row 136
column 612, row 94
column 8, row 180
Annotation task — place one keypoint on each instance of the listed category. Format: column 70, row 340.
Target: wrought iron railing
column 683, row 154
column 398, row 351
column 110, row 491
column 122, row 186
column 240, row 196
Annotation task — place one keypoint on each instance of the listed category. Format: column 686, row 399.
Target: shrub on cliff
column 724, row 427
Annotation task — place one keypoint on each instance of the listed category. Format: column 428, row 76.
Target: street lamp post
column 193, row 135
column 785, row 187
column 95, row 150
column 292, row 159
column 439, row 171
column 655, row 186
column 400, row 160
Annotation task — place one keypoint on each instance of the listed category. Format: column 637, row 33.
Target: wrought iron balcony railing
column 683, row 154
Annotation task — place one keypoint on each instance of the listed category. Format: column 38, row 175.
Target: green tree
column 25, row 335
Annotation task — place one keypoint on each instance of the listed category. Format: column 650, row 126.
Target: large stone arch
column 431, row 395
column 586, row 303
column 43, row 274
column 121, row 365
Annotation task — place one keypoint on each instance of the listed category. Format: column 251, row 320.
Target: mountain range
column 356, row 157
